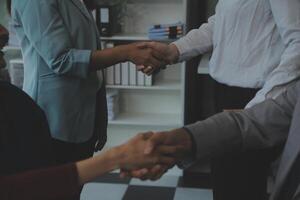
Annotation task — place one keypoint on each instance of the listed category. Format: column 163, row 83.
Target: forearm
column 108, row 57
column 263, row 126
column 98, row 165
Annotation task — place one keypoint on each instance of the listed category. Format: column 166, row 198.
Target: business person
column 255, row 56
column 270, row 124
column 61, row 50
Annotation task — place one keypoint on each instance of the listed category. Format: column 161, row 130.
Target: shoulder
column 16, row 98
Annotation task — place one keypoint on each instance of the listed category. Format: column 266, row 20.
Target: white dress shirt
column 255, row 44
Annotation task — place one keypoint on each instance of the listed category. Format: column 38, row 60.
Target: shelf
column 11, row 48
column 146, row 119
column 173, row 85
column 132, row 37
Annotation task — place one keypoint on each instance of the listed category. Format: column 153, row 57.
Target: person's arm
column 46, row 31
column 64, row 181
column 263, row 126
column 286, row 15
column 196, row 42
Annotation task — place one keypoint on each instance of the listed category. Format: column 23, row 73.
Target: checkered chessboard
column 111, row 187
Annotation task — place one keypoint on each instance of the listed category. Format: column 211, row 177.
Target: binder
column 118, row 74
column 140, row 79
column 149, row 80
column 132, row 74
column 110, row 80
column 125, row 73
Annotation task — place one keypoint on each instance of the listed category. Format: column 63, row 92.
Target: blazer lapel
column 81, row 7
column 290, row 153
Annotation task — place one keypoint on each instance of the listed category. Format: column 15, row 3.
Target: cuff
column 182, row 49
column 215, row 136
column 81, row 62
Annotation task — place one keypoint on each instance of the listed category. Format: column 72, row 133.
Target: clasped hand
column 150, row 155
column 150, row 57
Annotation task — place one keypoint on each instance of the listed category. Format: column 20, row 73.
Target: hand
column 132, row 156
column 141, row 55
column 169, row 54
column 179, row 138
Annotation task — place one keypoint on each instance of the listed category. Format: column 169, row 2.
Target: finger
column 166, row 160
column 171, row 150
column 154, row 141
column 158, row 172
column 139, row 173
column 147, row 135
column 155, row 63
column 158, row 55
column 124, row 175
column 148, row 70
column 140, row 67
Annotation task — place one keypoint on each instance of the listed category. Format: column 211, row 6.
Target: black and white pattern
column 111, row 187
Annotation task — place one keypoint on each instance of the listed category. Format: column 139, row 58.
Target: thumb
column 154, row 141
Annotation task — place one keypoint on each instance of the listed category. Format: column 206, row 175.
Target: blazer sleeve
column 53, row 183
column 46, row 31
column 263, row 126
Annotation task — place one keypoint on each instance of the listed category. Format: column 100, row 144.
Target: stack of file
column 16, row 72
column 166, row 31
column 112, row 104
column 126, row 74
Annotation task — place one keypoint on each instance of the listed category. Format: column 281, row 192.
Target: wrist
column 173, row 54
column 124, row 52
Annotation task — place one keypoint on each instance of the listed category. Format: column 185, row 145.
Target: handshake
column 150, row 57
column 150, row 155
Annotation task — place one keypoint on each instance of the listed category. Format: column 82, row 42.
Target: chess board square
column 165, row 181
column 149, row 193
column 103, row 191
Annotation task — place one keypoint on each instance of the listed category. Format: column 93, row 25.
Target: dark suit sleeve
column 53, row 183
column 263, row 126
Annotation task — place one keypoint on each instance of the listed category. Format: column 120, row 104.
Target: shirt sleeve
column 197, row 41
column 263, row 126
column 46, row 31
column 53, row 183
column 287, row 18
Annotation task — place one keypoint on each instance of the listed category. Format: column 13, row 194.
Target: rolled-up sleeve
column 197, row 41
column 263, row 126
column 46, row 31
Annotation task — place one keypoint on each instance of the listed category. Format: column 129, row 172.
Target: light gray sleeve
column 262, row 126
column 197, row 41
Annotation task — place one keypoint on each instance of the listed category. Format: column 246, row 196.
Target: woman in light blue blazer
column 60, row 45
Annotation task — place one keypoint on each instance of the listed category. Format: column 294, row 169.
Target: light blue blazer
column 57, row 38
